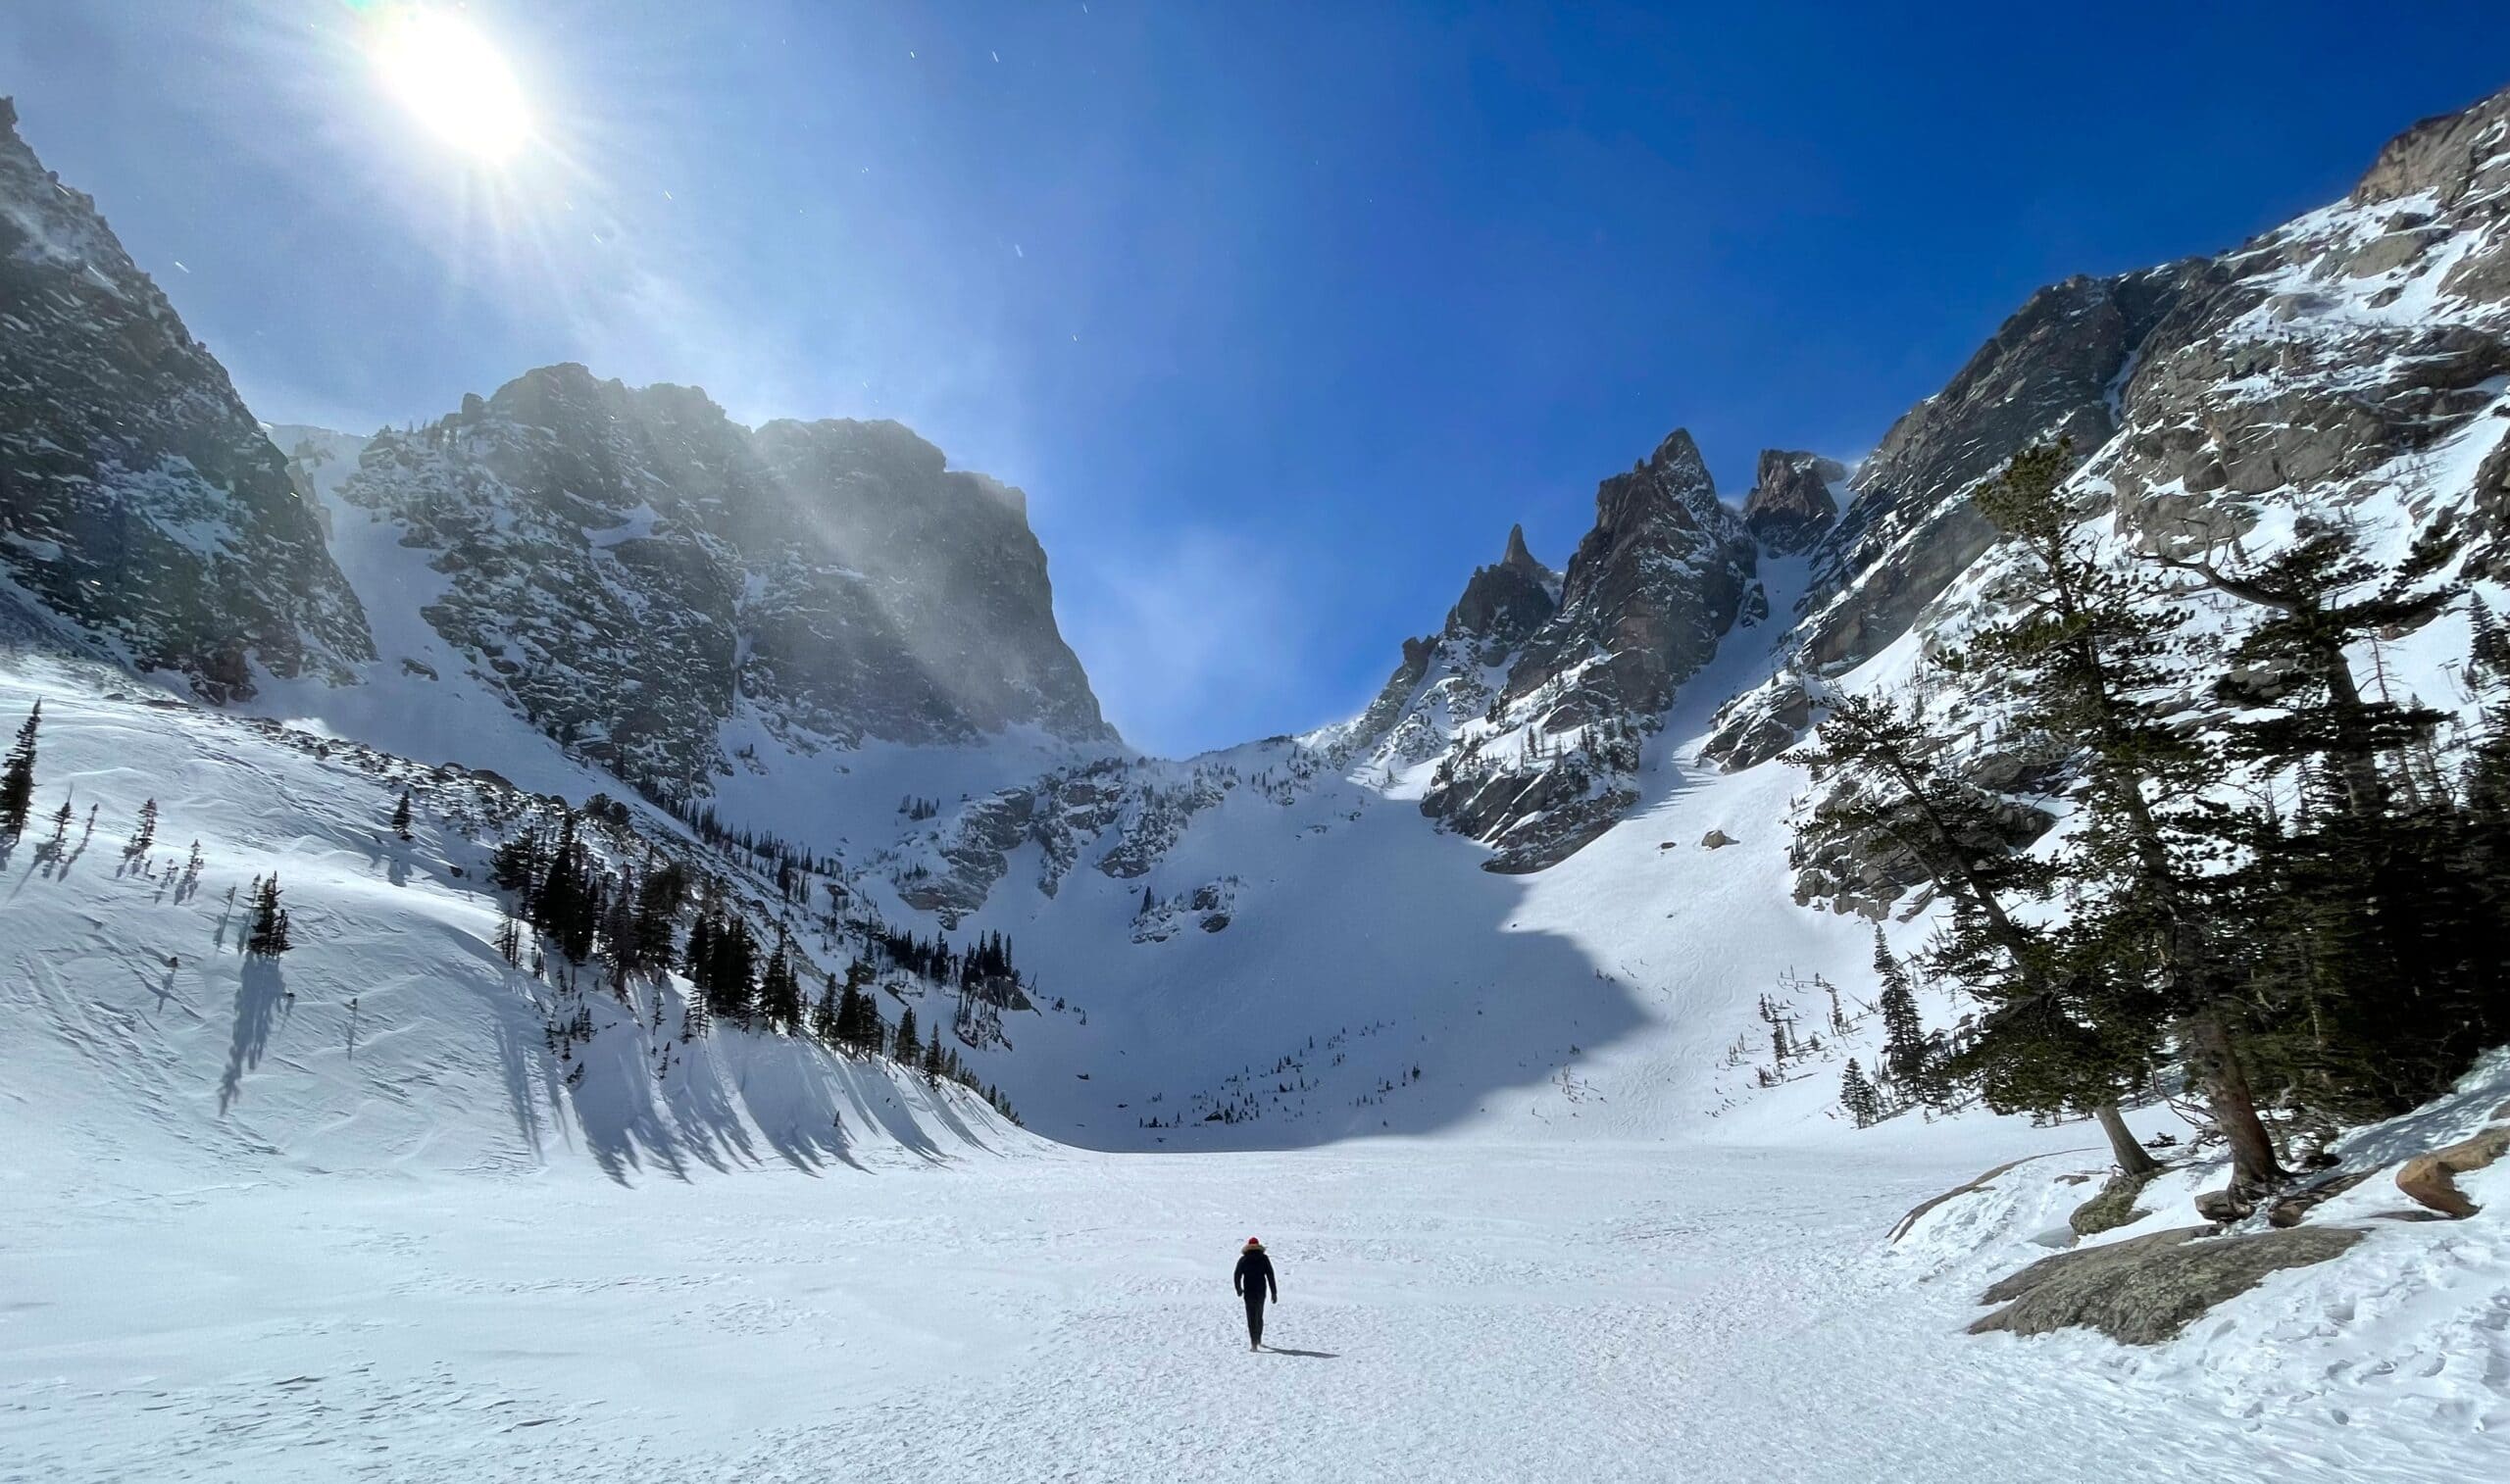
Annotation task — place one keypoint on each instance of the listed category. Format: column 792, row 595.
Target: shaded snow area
column 349, row 1216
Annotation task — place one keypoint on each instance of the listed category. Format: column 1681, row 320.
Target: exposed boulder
column 2145, row 1290
column 1716, row 839
column 2294, row 1208
column 2432, row 1179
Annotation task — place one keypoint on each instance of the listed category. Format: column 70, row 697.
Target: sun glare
column 453, row 81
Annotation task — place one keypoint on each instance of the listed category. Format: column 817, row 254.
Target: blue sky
column 1280, row 313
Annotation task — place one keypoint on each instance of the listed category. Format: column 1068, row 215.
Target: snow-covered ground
column 1450, row 1311
column 350, row 1218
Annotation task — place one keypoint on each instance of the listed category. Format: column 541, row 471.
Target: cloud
column 1193, row 644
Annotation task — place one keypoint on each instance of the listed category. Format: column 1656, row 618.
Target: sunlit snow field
column 1448, row 1312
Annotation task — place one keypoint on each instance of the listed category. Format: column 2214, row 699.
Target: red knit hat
column 1254, row 1242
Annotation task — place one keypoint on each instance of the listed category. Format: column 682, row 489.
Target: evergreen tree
column 2091, row 659
column 906, row 1048
column 2050, row 1040
column 143, row 838
column 779, row 990
column 731, row 969
column 825, row 1014
column 268, row 936
column 1908, row 1052
column 933, row 1063
column 858, row 1015
column 659, row 898
column 1858, row 1097
column 2368, row 962
column 516, row 863
column 18, row 776
column 401, row 815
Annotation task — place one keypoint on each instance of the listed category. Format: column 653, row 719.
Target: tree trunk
column 2255, row 1169
column 2133, row 1158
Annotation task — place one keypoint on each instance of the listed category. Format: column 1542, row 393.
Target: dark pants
column 1255, row 1316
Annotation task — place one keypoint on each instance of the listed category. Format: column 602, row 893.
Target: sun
column 455, row 82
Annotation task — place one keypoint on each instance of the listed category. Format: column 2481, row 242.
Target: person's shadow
column 1313, row 1355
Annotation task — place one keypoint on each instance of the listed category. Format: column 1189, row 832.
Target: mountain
column 1536, row 695
column 1538, row 926
column 142, row 514
column 1793, row 503
column 633, row 570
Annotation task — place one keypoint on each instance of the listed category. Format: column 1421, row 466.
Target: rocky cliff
column 142, row 512
column 1533, row 698
column 1790, row 506
column 634, row 568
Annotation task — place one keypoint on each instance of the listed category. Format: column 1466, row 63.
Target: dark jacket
column 1255, row 1277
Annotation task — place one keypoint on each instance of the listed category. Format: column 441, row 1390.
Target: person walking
column 1254, row 1281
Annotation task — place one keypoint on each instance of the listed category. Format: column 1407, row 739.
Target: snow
column 355, row 1214
column 352, row 1220
column 1467, row 1311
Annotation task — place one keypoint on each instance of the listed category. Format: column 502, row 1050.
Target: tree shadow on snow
column 260, row 991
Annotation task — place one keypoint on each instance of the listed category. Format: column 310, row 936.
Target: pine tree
column 516, row 863
column 906, row 1048
column 2368, row 963
column 1858, row 1097
column 1908, row 1054
column 858, row 1015
column 779, row 990
column 18, row 776
column 401, row 815
column 2090, row 655
column 825, row 1014
column 659, row 898
column 143, row 838
column 268, row 938
column 2048, row 1041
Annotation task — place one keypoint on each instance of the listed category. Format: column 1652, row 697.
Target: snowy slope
column 393, row 1039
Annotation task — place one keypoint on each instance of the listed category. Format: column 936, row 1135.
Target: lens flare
column 453, row 81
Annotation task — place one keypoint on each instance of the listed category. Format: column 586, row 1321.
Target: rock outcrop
column 2311, row 359
column 629, row 565
column 2050, row 372
column 1652, row 589
column 1790, row 506
column 1533, row 698
column 1505, row 603
column 2144, row 1290
column 141, row 509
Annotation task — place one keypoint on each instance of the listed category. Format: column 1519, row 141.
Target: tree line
column 626, row 923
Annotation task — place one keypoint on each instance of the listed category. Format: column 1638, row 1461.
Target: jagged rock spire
column 1791, row 504
column 1507, row 602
